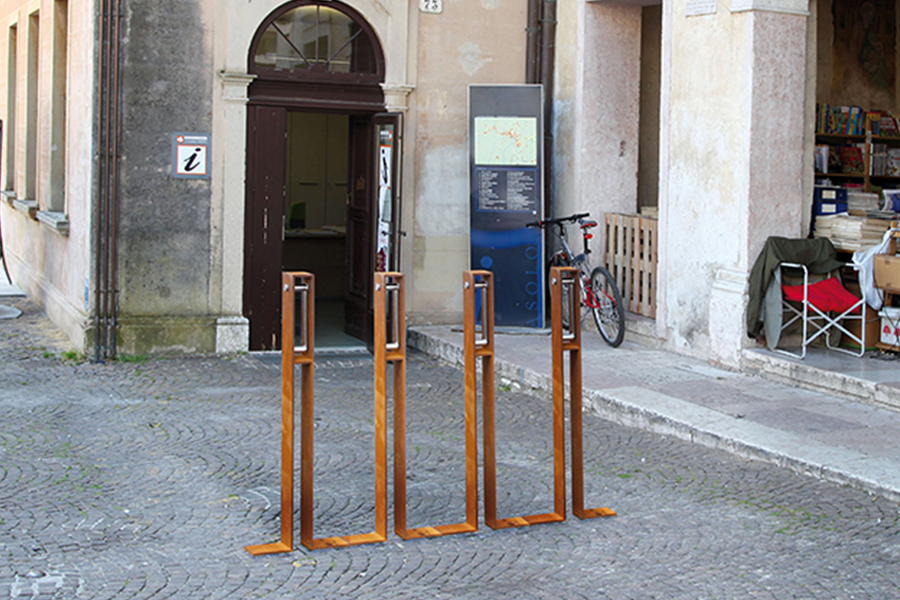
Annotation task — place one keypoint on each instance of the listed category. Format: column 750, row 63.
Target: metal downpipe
column 105, row 293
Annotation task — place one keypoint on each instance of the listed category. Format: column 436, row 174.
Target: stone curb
column 741, row 438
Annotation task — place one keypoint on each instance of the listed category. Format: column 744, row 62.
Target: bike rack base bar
column 381, row 358
column 291, row 355
column 567, row 338
column 398, row 356
column 486, row 351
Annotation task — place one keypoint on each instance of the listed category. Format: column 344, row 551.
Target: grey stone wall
column 164, row 222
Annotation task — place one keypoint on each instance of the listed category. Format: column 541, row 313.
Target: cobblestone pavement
column 145, row 479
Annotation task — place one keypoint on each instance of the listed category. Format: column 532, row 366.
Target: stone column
column 735, row 148
column 227, row 220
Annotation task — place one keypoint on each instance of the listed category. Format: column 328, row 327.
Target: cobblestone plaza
column 145, row 478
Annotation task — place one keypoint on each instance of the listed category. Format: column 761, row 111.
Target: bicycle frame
column 603, row 301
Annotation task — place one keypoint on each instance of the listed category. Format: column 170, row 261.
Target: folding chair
column 822, row 308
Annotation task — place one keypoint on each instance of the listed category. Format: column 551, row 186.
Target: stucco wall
column 565, row 107
column 52, row 267
column 471, row 41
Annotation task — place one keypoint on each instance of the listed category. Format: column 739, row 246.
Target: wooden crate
column 631, row 257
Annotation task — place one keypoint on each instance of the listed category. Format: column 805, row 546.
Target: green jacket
column 817, row 254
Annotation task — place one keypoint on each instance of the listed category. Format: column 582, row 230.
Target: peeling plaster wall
column 471, row 41
column 707, row 148
column 735, row 165
column 840, row 77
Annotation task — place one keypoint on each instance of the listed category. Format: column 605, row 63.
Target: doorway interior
column 315, row 216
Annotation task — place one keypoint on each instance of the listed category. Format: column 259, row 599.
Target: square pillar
column 733, row 106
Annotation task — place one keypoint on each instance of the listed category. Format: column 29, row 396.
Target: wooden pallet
column 631, row 258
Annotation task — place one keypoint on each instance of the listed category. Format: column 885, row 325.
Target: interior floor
column 330, row 336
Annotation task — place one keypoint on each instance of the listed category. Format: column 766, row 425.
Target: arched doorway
column 314, row 140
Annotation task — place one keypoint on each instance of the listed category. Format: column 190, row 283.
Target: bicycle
column 599, row 292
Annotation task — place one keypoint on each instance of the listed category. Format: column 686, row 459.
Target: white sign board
column 190, row 155
column 431, row 6
column 700, row 7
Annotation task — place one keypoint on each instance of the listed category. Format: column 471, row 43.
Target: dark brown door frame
column 265, row 183
column 272, row 94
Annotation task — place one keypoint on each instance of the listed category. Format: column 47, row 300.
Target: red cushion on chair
column 826, row 295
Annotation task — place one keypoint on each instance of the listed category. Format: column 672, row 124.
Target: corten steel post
column 395, row 317
column 294, row 285
column 566, row 337
column 388, row 347
column 489, row 429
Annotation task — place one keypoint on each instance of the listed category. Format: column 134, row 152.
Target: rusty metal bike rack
column 389, row 346
column 486, row 350
column 566, row 337
column 395, row 344
column 291, row 355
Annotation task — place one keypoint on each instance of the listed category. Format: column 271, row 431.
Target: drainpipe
column 533, row 43
column 105, row 292
column 548, row 57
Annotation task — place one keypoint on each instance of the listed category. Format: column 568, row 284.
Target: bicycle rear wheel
column 609, row 314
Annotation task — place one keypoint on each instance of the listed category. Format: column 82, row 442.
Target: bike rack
column 396, row 313
column 390, row 346
column 490, row 461
column 294, row 284
column 567, row 338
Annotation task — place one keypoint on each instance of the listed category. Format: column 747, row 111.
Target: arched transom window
column 308, row 39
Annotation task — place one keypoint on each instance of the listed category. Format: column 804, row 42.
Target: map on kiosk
column 506, row 141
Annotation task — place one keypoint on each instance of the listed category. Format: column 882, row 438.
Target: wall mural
column 864, row 49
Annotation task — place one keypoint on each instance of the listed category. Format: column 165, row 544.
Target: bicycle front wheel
column 606, row 306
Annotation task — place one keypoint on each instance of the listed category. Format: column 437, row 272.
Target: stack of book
column 862, row 203
column 850, row 233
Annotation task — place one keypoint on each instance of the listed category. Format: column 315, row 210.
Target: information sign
column 506, row 191
column 190, row 155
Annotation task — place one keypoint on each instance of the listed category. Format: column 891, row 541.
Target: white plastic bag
column 864, row 262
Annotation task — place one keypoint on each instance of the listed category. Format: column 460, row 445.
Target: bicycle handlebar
column 569, row 219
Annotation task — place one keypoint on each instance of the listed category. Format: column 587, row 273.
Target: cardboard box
column 887, row 272
column 890, row 326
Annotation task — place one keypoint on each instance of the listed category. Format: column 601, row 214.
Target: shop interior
column 857, row 148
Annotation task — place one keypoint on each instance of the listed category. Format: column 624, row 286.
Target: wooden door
column 263, row 224
column 358, row 314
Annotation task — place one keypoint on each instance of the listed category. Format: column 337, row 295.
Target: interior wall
column 857, row 54
column 648, row 157
column 316, row 169
column 607, row 110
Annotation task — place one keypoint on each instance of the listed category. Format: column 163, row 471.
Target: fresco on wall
column 864, row 49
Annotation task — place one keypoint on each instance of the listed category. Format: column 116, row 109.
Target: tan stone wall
column 472, row 41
